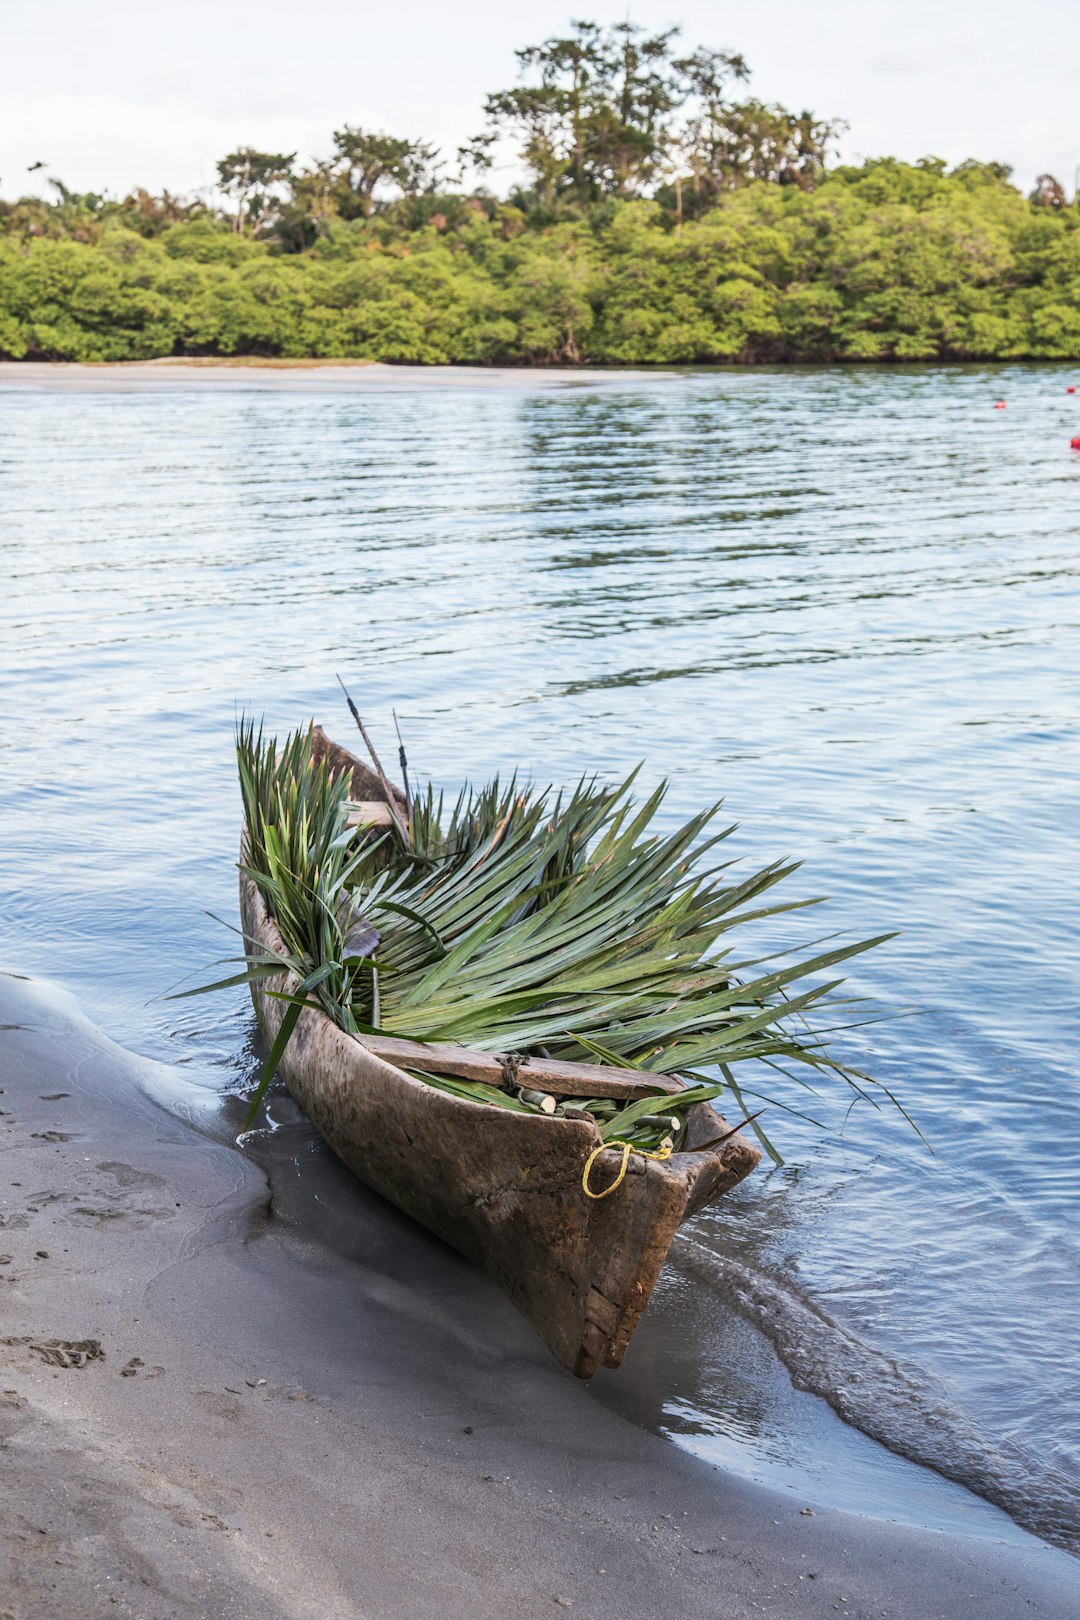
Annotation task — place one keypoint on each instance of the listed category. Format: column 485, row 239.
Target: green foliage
column 528, row 921
column 663, row 222
column 884, row 262
column 620, row 112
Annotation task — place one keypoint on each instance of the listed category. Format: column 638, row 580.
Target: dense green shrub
column 889, row 261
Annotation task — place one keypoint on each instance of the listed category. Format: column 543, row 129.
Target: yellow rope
column 663, row 1152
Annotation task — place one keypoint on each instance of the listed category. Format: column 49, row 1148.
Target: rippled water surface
column 846, row 601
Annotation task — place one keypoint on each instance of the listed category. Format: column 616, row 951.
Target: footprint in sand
column 60, row 1352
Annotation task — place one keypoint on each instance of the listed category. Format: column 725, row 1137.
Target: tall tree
column 613, row 111
column 632, row 104
column 366, row 159
column 707, row 74
column 569, row 67
column 597, row 121
column 311, row 205
column 253, row 180
column 537, row 116
column 731, row 143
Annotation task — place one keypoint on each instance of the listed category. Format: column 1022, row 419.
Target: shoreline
column 213, row 1404
column 339, row 376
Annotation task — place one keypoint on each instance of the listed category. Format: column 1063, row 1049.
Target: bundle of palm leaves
column 521, row 919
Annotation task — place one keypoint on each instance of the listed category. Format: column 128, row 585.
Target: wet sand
column 216, row 1400
column 295, row 376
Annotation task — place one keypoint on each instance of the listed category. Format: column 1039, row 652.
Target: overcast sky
column 114, row 93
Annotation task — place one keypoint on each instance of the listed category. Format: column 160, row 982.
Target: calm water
column 846, row 601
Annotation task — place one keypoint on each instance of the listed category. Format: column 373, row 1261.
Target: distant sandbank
column 295, row 376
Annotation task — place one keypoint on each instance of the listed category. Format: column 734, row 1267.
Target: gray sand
column 210, row 1408
column 185, row 376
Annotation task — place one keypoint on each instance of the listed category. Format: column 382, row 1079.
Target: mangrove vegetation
column 662, row 216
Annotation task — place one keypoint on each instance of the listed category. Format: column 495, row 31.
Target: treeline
column 663, row 219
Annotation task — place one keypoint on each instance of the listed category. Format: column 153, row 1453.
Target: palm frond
column 520, row 919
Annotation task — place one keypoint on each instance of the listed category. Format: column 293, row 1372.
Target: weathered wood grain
column 540, row 1074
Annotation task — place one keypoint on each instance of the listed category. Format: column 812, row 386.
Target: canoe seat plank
column 369, row 813
column 541, row 1074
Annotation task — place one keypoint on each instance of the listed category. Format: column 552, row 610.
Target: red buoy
column 1070, row 389
column 999, row 404
column 1074, row 444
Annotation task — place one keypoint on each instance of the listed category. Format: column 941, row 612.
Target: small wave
column 895, row 1402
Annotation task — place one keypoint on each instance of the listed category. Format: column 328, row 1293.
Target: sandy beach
column 221, row 1396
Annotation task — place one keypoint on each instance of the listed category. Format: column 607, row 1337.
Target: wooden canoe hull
column 503, row 1188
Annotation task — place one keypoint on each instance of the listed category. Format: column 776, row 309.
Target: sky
column 110, row 94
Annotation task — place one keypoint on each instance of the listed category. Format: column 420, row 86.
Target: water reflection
column 845, row 600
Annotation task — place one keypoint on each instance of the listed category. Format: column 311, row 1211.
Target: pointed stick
column 404, row 763
column 363, row 732
column 383, row 778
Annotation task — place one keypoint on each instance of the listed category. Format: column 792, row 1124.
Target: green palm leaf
column 522, row 919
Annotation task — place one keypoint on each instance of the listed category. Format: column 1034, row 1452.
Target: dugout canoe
column 503, row 1188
